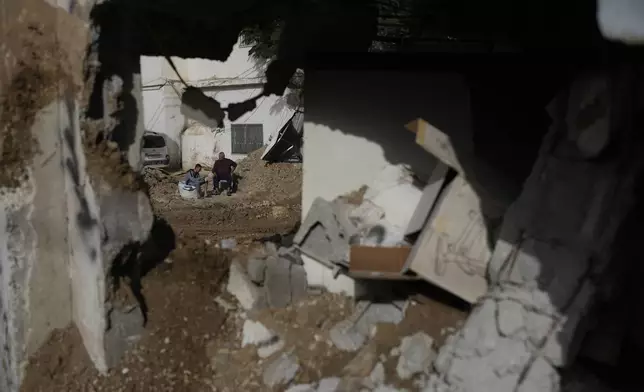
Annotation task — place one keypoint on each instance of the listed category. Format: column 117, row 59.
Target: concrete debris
column 240, row 286
column 284, row 282
column 325, row 232
column 378, row 313
column 228, row 243
column 291, row 254
column 377, row 376
column 510, row 317
column 227, row 306
column 302, row 388
column 270, row 348
column 416, row 355
column 363, row 362
column 329, row 384
column 281, row 371
column 350, row 334
column 299, row 282
column 346, row 337
column 387, row 388
column 271, row 248
column 256, row 333
column 256, row 268
column 277, row 282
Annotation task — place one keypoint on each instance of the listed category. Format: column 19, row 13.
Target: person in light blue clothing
column 193, row 178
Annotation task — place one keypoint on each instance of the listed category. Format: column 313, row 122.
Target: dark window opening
column 153, row 142
column 246, row 138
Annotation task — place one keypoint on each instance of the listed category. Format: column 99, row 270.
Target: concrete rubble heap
column 272, row 278
column 556, row 237
column 71, row 204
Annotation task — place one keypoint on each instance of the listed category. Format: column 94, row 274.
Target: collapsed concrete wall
column 555, row 241
column 70, row 201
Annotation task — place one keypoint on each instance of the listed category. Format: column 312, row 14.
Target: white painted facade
column 238, row 78
column 354, row 128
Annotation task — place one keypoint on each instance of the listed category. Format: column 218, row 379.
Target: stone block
column 277, row 282
column 254, row 332
column 256, row 268
column 330, row 384
column 416, row 355
column 281, row 370
column 242, row 288
column 299, row 283
column 346, row 337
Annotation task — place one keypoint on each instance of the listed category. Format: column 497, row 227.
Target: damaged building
column 510, row 182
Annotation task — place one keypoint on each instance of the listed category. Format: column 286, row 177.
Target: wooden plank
column 434, row 141
column 378, row 259
column 453, row 251
column 382, row 275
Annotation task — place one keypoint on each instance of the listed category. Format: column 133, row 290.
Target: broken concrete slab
column 346, row 337
column 377, row 376
column 281, row 370
column 363, row 362
column 256, row 268
column 376, row 313
column 270, row 348
column 416, row 355
column 302, row 388
column 242, row 288
column 299, row 283
column 350, row 334
column 330, row 384
column 324, row 234
column 292, row 254
column 277, row 282
column 254, row 332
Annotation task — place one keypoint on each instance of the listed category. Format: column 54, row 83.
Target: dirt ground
column 192, row 342
column 267, row 202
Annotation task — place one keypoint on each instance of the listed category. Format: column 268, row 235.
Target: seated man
column 223, row 170
column 193, row 178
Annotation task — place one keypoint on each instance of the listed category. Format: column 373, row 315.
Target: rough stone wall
column 70, row 201
column 42, row 49
column 555, row 241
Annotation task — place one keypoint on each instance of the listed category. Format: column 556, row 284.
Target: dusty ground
column 268, row 201
column 191, row 342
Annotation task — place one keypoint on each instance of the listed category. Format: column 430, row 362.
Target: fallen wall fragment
column 555, row 237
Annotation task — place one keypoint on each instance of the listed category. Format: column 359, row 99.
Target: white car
column 155, row 150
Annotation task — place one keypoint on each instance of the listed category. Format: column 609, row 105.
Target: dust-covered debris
column 281, row 370
column 270, row 181
column 240, row 286
column 416, row 355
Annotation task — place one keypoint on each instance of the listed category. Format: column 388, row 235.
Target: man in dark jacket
column 223, row 170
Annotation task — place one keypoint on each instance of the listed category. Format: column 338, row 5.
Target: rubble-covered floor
column 193, row 339
column 205, row 334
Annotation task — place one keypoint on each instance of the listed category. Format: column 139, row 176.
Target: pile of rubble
column 274, row 181
column 272, row 281
column 272, row 278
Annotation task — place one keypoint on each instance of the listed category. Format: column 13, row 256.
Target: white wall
column 354, row 127
column 238, row 64
column 202, row 145
column 161, row 105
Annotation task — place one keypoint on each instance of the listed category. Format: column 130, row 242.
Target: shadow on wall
column 174, row 150
column 376, row 105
